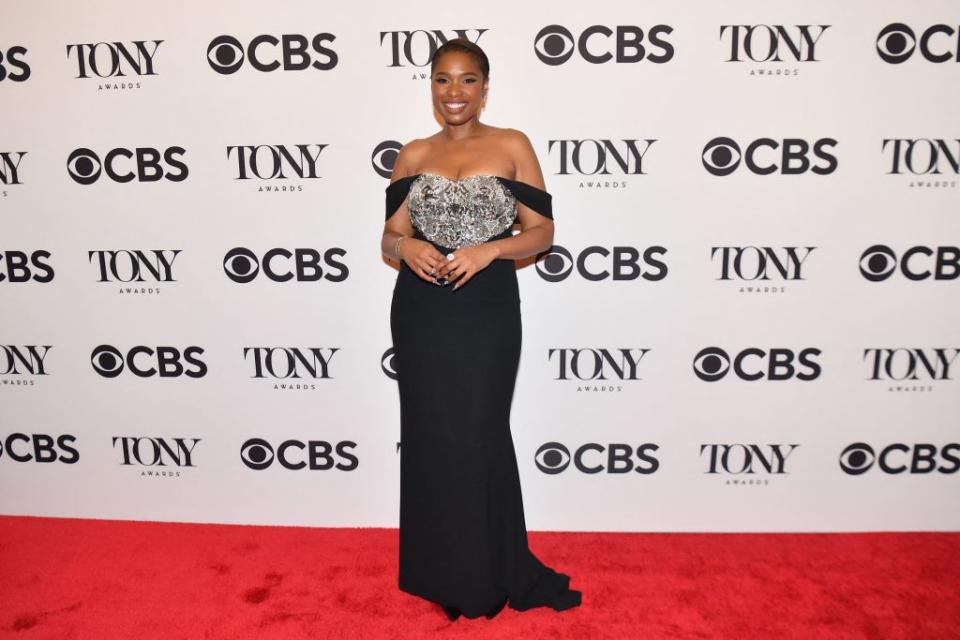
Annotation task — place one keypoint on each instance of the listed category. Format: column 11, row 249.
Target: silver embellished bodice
column 460, row 213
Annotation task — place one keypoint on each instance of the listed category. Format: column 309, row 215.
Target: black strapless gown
column 463, row 538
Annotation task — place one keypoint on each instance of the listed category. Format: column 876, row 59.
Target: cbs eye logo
column 554, row 45
column 555, row 265
column 857, row 458
column 896, row 43
column 225, row 54
column 552, row 458
column 721, row 156
column 385, row 156
column 241, row 265
column 878, row 263
column 711, row 364
column 257, row 454
column 388, row 363
column 107, row 361
column 84, row 166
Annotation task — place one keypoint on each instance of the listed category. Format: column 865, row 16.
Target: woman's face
column 457, row 86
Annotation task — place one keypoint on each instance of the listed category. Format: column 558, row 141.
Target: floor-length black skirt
column 463, row 538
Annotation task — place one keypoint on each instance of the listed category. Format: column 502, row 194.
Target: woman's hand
column 422, row 258
column 467, row 261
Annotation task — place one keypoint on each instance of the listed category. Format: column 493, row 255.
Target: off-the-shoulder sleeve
column 537, row 199
column 397, row 193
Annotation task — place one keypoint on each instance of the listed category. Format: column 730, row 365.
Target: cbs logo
column 896, row 43
column 144, row 164
column 859, row 457
column 597, row 44
column 713, row 363
column 791, row 156
column 553, row 458
column 879, row 262
column 146, row 362
column 597, row 263
column 226, row 54
column 242, row 265
column 317, row 455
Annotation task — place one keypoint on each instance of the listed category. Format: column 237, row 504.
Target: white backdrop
column 68, row 432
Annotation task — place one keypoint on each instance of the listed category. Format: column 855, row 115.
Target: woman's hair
column 465, row 46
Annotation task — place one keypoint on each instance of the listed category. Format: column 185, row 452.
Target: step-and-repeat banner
column 750, row 320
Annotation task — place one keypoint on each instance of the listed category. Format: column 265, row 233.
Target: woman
column 455, row 320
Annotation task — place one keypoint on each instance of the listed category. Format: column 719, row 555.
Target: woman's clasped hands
column 456, row 267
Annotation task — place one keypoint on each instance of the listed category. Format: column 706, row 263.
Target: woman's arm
column 398, row 225
column 536, row 233
column 397, row 242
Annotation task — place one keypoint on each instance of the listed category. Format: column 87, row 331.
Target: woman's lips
column 455, row 107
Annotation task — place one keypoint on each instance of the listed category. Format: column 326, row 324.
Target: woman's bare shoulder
column 515, row 136
column 408, row 158
column 518, row 145
column 525, row 162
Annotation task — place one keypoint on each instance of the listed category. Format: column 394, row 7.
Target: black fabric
column 397, row 193
column 537, row 199
column 463, row 537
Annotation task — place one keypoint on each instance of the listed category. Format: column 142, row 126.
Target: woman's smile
column 455, row 106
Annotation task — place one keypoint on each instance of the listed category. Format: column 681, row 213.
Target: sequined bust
column 461, row 213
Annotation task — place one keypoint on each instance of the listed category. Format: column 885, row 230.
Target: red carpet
column 67, row 578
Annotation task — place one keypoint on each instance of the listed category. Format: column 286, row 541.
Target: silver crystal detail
column 460, row 213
